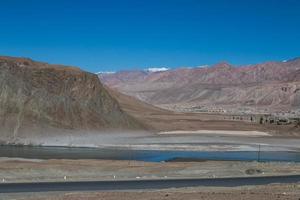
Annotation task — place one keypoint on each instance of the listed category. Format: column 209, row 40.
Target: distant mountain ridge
column 273, row 85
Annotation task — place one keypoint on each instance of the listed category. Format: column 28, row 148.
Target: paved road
column 142, row 184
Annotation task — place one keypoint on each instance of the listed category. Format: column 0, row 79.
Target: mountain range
column 269, row 86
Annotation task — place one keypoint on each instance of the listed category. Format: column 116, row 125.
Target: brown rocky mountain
column 39, row 98
column 270, row 86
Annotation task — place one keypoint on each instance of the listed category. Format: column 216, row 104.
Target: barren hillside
column 38, row 98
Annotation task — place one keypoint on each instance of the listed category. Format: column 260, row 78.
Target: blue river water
column 143, row 155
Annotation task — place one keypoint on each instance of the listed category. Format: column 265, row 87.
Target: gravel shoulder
column 267, row 192
column 25, row 170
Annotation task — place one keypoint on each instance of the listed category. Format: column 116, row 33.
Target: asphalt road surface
column 142, row 184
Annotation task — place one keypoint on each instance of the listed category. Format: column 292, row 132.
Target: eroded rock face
column 35, row 97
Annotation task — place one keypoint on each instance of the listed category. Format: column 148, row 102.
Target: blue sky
column 115, row 35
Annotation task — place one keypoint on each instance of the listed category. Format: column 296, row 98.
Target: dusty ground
column 268, row 192
column 164, row 120
column 21, row 170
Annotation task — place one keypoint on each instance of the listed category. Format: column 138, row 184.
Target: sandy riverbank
column 201, row 140
column 217, row 132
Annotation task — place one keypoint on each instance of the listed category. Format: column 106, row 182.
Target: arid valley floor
column 59, row 108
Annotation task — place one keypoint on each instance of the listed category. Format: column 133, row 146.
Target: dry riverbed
column 25, row 170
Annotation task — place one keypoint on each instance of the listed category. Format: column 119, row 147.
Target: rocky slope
column 42, row 99
column 271, row 85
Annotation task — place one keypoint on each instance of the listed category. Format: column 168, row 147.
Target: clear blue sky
column 128, row 34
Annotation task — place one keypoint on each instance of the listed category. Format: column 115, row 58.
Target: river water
column 142, row 155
